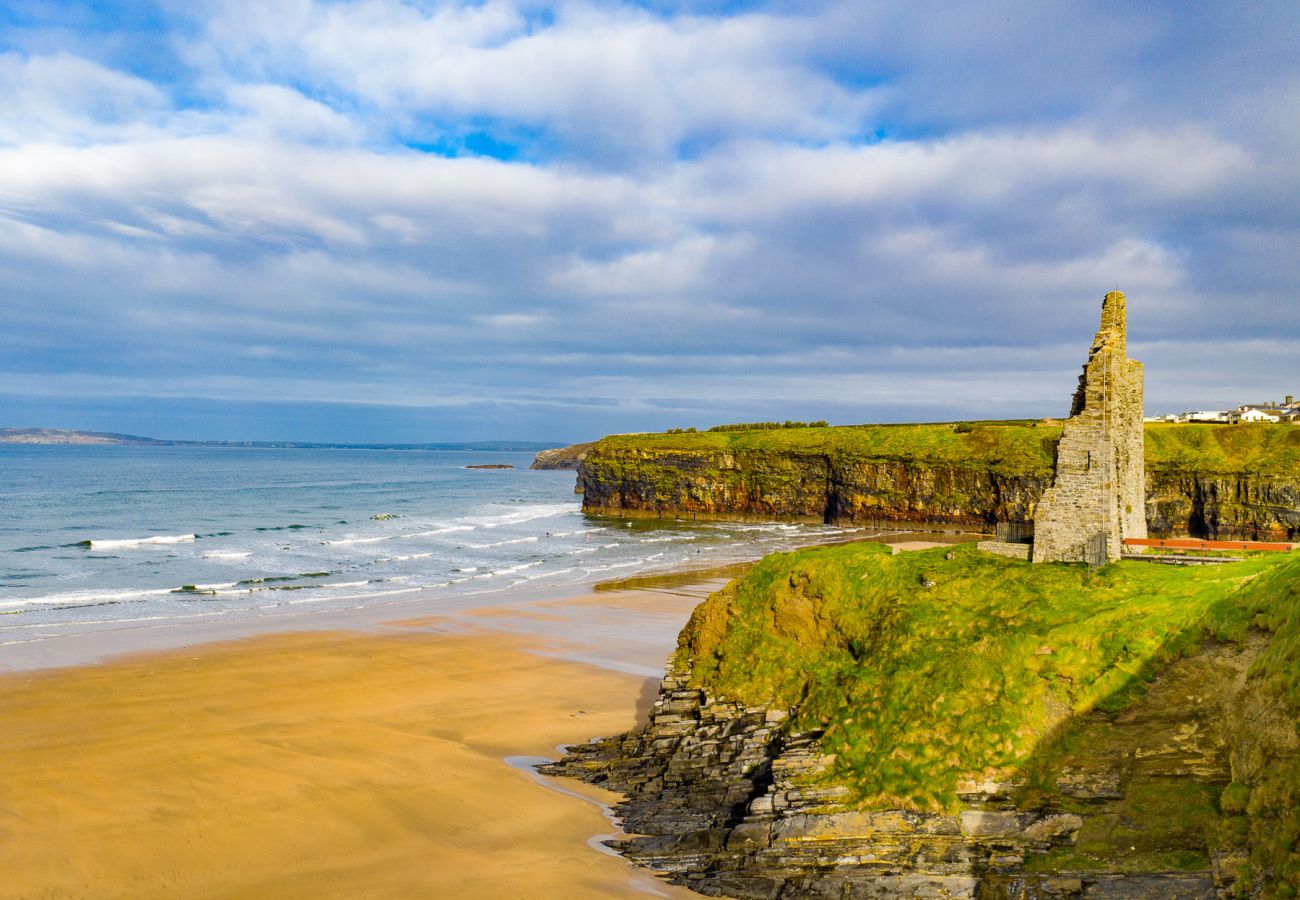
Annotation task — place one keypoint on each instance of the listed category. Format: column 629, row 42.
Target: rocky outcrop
column 1123, row 805
column 562, row 457
column 794, row 485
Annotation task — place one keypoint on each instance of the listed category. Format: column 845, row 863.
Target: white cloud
column 671, row 270
column 63, row 98
column 694, row 217
column 618, row 82
column 276, row 111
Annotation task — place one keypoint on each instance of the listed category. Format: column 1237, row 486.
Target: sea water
column 96, row 535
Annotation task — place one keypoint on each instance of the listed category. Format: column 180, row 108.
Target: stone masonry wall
column 1097, row 497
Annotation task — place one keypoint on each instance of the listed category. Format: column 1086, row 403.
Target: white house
column 1254, row 414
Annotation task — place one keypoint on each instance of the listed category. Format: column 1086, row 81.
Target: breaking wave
column 126, row 543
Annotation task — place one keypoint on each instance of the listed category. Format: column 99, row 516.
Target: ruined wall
column 1097, row 496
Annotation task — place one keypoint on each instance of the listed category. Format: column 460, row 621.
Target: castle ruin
column 1097, row 497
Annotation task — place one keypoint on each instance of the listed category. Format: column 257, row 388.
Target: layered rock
column 1254, row 507
column 847, row 722
column 810, row 487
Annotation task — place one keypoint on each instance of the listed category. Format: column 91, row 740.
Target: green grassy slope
column 1225, row 449
column 925, row 670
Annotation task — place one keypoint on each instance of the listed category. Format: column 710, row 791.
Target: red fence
column 1197, row 544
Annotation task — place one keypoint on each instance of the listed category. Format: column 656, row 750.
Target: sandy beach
column 332, row 764
column 385, row 752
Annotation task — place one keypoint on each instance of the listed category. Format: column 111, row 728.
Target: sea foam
column 126, row 543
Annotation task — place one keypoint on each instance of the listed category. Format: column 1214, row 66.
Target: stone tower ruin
column 1097, row 497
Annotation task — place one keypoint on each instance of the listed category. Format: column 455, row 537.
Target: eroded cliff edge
column 1223, row 482
column 562, row 457
column 845, row 723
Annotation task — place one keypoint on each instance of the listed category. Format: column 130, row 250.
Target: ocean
column 95, row 536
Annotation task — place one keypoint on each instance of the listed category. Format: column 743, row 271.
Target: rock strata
column 1223, row 507
column 805, row 487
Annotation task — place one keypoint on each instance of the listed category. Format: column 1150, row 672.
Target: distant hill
column 71, row 436
column 68, row 436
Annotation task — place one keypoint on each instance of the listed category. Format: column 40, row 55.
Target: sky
column 427, row 221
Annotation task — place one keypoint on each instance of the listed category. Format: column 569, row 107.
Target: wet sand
column 316, row 765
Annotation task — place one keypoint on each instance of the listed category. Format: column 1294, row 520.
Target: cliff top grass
column 1020, row 447
column 926, row 670
column 1013, row 447
column 1225, row 449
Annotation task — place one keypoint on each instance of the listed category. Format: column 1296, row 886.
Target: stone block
column 989, row 823
column 750, row 836
column 1053, row 827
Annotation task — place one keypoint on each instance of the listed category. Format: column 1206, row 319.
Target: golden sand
column 307, row 765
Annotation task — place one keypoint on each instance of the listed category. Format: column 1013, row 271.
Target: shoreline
column 78, row 643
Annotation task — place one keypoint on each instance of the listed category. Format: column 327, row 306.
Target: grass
column 924, row 668
column 1272, row 801
column 1009, row 447
column 1255, row 449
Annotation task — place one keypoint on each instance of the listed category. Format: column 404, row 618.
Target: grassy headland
column 932, row 668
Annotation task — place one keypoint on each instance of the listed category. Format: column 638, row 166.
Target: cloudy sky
column 424, row 220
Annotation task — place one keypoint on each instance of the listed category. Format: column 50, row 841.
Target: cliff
column 562, row 457
column 845, row 723
column 1227, row 482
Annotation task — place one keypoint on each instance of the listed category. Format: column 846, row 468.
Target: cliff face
column 562, row 457
column 939, row 477
column 921, row 736
column 806, row 487
column 1258, row 507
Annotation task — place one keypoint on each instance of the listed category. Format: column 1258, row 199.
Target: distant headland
column 68, row 436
